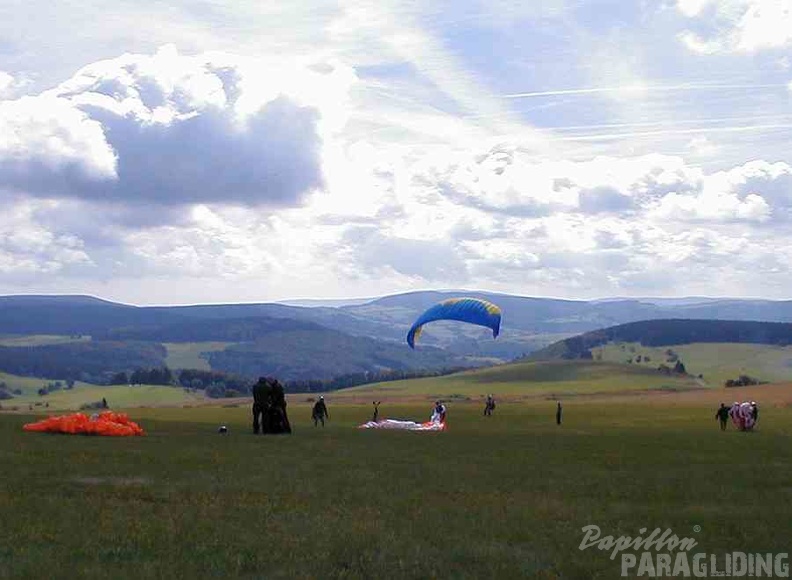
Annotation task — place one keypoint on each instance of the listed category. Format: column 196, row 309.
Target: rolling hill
column 669, row 332
column 528, row 380
column 713, row 350
column 57, row 336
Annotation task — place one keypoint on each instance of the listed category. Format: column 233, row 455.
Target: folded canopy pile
column 106, row 423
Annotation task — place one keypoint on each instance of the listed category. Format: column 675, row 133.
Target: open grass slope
column 717, row 362
column 41, row 339
column 191, row 355
column 499, row 497
column 526, row 380
column 28, row 385
column 116, row 396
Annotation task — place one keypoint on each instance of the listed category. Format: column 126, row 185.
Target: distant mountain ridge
column 525, row 319
column 321, row 341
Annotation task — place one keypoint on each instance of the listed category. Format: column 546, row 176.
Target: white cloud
column 170, row 129
column 722, row 207
column 6, row 83
column 361, row 148
column 29, row 250
column 743, row 25
column 683, row 224
column 49, row 133
column 693, row 7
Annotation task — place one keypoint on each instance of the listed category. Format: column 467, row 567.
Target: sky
column 206, row 151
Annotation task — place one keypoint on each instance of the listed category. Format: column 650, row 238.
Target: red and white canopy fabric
column 743, row 415
column 397, row 424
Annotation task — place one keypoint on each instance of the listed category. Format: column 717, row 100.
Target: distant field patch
column 189, row 355
column 28, row 386
column 117, row 397
column 716, row 362
column 41, row 339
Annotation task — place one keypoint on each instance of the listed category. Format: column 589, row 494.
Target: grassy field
column 29, row 385
column 187, row 355
column 521, row 381
column 117, row 396
column 529, row 380
column 716, row 362
column 499, row 497
column 41, row 339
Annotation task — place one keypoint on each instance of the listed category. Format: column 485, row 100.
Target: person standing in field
column 319, row 412
column 754, row 411
column 558, row 413
column 722, row 414
column 376, row 410
column 489, row 406
column 439, row 413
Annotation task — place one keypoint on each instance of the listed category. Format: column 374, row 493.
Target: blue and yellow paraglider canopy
column 471, row 310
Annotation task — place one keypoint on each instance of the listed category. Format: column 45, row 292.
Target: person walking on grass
column 319, row 412
column 558, row 413
column 722, row 414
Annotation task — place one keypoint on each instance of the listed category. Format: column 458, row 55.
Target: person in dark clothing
column 376, row 410
column 320, row 412
column 104, row 403
column 489, row 405
column 754, row 411
column 558, row 413
column 269, row 407
column 722, row 414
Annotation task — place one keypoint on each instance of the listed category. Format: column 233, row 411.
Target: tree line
column 218, row 385
column 355, row 379
column 90, row 361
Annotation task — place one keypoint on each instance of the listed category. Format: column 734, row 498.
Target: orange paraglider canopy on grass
column 106, row 423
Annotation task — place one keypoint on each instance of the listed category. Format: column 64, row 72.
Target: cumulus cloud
column 29, row 250
column 47, row 136
column 427, row 260
column 692, row 7
column 657, row 187
column 754, row 192
column 6, row 82
column 604, row 199
column 737, row 25
column 622, row 225
column 610, row 226
column 174, row 130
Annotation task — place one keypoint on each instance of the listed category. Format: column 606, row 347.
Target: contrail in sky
column 693, row 131
column 640, row 88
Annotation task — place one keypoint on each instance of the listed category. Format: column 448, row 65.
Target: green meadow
column 499, row 497
column 529, row 380
column 119, row 396
column 40, row 339
column 189, row 355
column 716, row 362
